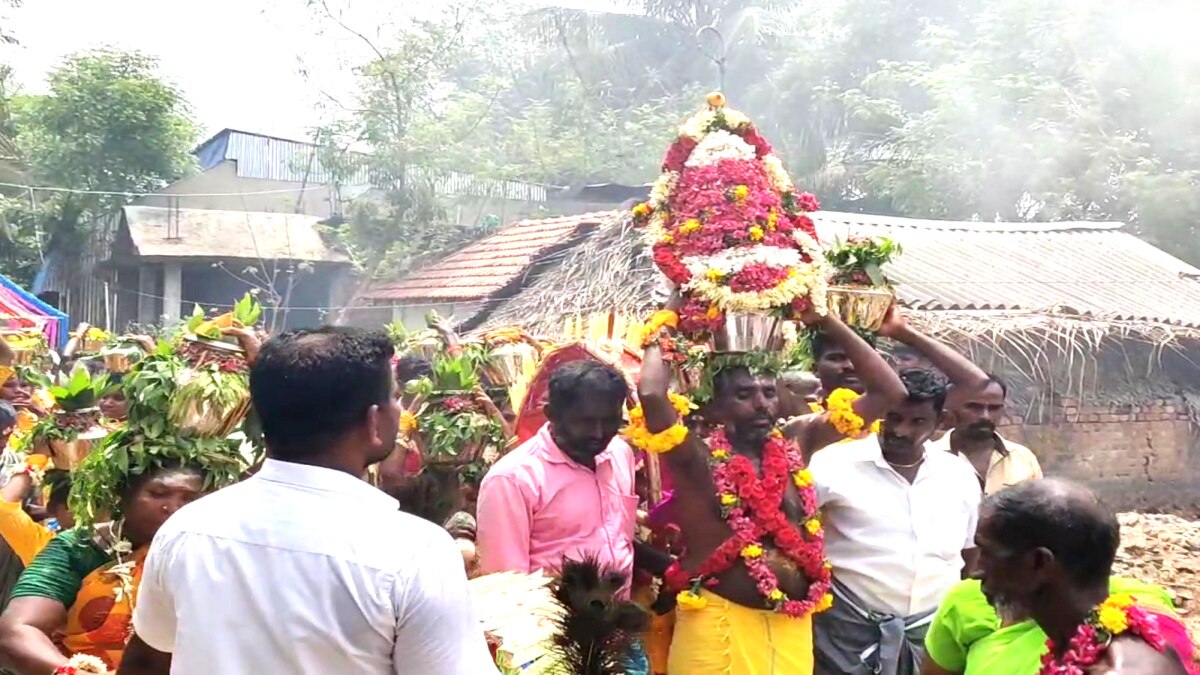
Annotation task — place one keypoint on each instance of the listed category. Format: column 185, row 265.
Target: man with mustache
column 997, row 461
column 899, row 529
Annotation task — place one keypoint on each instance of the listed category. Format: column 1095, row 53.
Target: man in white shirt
column 899, row 525
column 305, row 568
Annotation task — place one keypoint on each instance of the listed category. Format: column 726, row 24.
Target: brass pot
column 68, row 454
column 118, row 363
column 203, row 420
column 861, row 307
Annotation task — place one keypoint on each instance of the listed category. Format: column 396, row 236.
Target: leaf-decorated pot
column 860, row 306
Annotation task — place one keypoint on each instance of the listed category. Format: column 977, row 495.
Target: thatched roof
column 1048, row 281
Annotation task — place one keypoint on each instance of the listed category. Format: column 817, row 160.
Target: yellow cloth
column 1015, row 464
column 727, row 639
column 25, row 537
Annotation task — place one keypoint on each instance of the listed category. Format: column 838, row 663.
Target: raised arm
column 958, row 368
column 883, row 388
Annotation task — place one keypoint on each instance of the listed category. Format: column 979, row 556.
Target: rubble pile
column 1164, row 550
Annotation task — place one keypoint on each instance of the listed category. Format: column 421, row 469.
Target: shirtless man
column 736, row 630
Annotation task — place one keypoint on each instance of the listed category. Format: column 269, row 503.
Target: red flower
column 808, row 202
column 757, row 277
column 458, row 404
column 698, row 317
column 749, row 134
column 678, row 153
column 667, row 261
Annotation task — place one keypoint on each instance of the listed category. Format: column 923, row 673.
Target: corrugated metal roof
column 1093, row 269
column 490, row 264
column 270, row 158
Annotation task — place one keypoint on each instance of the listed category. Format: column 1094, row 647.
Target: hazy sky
column 238, row 61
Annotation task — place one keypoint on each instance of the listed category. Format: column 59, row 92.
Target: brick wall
column 1145, row 442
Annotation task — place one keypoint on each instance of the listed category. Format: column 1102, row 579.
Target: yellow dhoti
column 724, row 638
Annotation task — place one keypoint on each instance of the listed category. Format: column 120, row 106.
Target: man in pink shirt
column 568, row 492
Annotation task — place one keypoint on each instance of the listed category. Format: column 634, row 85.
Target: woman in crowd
column 77, row 596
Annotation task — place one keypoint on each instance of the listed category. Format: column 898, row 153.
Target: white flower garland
column 662, row 189
column 697, row 125
column 776, row 174
column 719, row 145
column 804, row 277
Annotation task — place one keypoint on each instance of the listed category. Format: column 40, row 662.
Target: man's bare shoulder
column 1133, row 656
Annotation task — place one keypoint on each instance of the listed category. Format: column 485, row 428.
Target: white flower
column 734, row 259
column 662, row 189
column 718, row 145
column 697, row 125
column 735, row 119
column 780, row 181
column 807, row 278
column 656, row 229
column 490, row 455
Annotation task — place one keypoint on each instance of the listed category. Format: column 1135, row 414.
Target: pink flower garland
column 1092, row 639
column 753, row 510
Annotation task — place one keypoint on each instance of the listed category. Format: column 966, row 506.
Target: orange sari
column 98, row 623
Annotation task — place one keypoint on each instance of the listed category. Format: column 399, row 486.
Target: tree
column 109, row 127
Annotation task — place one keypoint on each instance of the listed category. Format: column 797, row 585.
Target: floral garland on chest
column 752, row 506
column 1115, row 616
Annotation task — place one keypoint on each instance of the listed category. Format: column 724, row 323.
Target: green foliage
column 80, row 391
column 101, row 478
column 450, row 374
column 867, row 255
column 109, row 123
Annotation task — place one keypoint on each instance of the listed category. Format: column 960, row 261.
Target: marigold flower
column 714, row 275
column 803, row 478
column 756, row 233
column 720, row 454
column 728, row 499
column 688, row 600
column 689, row 226
column 408, row 423
column 741, row 192
column 641, row 210
column 825, row 603
column 752, row 551
column 1112, row 619
column 813, row 526
column 775, row 595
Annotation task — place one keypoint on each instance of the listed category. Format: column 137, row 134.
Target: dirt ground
column 1164, row 549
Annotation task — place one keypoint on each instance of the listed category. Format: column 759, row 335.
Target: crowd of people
column 867, row 517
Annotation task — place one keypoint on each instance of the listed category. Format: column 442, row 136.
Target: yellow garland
column 843, row 417
column 666, row 440
column 1112, row 615
column 663, row 318
column 408, row 423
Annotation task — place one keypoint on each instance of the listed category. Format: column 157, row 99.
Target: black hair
column 59, row 481
column 412, row 367
column 310, row 387
column 1065, row 519
column 588, row 379
column 8, row 415
column 925, row 385
column 820, row 342
column 995, row 379
column 723, row 379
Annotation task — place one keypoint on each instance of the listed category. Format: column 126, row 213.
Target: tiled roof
column 490, row 264
column 1092, row 269
column 159, row 232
